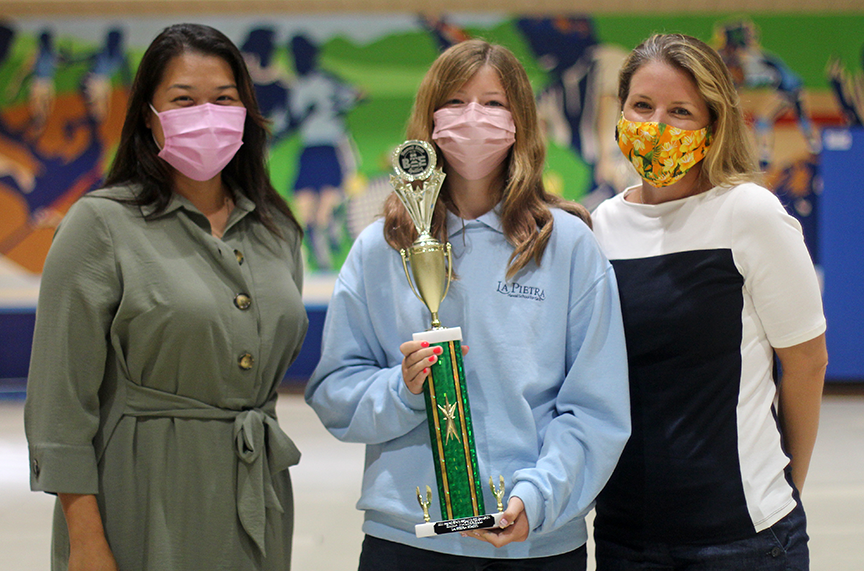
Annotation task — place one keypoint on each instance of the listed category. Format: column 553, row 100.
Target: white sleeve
column 777, row 269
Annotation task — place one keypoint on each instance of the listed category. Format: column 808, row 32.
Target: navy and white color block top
column 709, row 284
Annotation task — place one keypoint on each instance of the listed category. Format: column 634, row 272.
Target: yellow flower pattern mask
column 660, row 153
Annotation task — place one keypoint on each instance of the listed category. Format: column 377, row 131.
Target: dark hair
column 137, row 161
column 7, row 34
column 305, row 54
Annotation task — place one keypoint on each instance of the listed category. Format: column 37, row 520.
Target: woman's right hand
column 418, row 357
column 95, row 557
column 88, row 548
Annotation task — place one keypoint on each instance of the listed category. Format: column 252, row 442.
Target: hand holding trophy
column 417, row 182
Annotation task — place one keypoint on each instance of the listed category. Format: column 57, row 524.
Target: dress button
column 36, row 468
column 243, row 301
column 239, row 255
column 246, row 361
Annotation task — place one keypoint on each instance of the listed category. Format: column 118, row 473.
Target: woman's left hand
column 801, row 386
column 513, row 527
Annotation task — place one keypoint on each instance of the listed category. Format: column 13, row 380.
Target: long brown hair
column 526, row 216
column 731, row 159
column 137, row 161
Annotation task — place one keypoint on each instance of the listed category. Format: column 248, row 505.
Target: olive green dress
column 156, row 357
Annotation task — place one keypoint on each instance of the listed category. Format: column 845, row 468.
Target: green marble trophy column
column 417, row 182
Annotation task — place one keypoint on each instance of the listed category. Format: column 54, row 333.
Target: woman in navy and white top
column 714, row 280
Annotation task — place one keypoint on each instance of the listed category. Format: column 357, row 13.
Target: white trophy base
column 433, row 528
column 443, row 335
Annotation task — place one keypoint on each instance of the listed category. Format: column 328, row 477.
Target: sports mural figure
column 848, row 88
column 580, row 103
column 52, row 148
column 37, row 78
column 752, row 67
column 14, row 164
column 318, row 103
column 795, row 180
column 271, row 80
column 105, row 64
column 446, row 34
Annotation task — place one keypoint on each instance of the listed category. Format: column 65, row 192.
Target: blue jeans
column 782, row 547
column 382, row 555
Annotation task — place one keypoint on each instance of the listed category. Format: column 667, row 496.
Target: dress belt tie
column 259, row 442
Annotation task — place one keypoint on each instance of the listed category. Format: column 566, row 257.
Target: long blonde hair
column 731, row 159
column 526, row 217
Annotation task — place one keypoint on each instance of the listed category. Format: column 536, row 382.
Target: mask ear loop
column 616, row 125
column 152, row 134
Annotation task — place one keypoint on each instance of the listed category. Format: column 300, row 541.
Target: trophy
column 417, row 182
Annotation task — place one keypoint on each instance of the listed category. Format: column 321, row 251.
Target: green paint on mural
column 788, row 37
column 388, row 71
column 283, row 165
column 566, row 172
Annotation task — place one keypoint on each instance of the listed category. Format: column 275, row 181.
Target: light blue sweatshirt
column 546, row 376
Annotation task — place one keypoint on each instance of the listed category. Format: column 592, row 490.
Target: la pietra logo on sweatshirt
column 522, row 291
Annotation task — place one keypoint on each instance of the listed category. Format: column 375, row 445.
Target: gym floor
column 327, row 484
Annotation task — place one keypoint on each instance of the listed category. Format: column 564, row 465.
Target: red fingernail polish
column 424, row 344
column 432, row 359
column 425, row 370
column 437, row 350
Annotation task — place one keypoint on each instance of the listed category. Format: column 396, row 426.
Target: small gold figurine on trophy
column 417, row 182
column 424, row 504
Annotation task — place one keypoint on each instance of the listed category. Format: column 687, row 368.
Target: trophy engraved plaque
column 417, row 182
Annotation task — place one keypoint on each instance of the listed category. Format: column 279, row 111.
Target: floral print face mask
column 660, row 153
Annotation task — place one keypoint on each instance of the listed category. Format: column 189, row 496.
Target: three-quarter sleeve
column 78, row 296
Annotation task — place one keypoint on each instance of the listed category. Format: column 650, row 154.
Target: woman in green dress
column 169, row 311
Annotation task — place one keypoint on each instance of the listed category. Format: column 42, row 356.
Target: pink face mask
column 474, row 138
column 202, row 139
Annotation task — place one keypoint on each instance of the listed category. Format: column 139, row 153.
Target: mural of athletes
column 338, row 89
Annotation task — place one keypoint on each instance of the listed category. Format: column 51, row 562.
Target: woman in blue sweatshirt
column 536, row 300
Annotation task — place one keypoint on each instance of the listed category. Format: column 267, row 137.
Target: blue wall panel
column 841, row 226
column 16, row 337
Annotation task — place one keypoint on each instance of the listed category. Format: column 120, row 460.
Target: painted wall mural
column 338, row 90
